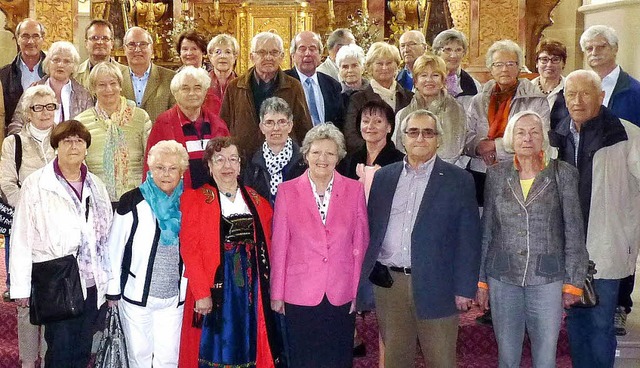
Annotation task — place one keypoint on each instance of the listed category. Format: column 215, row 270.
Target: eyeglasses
column 219, row 52
column 425, row 133
column 49, row 107
column 57, row 60
column 553, row 60
column 170, row 170
column 220, row 160
column 282, row 123
column 69, row 141
column 99, row 39
column 132, row 46
column 264, row 53
column 26, row 37
column 508, row 64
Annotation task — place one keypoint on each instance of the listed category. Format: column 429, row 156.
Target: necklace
column 76, row 179
column 229, row 194
column 542, row 89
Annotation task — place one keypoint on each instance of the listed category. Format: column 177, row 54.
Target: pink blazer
column 309, row 259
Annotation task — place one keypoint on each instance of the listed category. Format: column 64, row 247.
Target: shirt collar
column 144, row 76
column 313, row 185
column 25, row 67
column 303, row 77
column 612, row 77
column 422, row 168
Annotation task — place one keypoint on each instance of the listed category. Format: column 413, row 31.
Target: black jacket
column 388, row 155
column 11, row 79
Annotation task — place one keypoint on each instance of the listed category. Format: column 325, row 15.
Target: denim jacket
column 535, row 241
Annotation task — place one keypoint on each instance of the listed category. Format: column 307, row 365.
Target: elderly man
column 246, row 93
column 338, row 38
column 412, row 45
column 145, row 83
column 606, row 151
column 622, row 97
column 424, row 252
column 26, row 68
column 323, row 93
column 98, row 40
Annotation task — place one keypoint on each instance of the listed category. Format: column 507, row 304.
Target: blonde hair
column 380, row 50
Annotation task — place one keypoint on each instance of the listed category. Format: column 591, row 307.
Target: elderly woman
column 501, row 98
column 551, row 57
column 376, row 122
column 119, row 131
column 32, row 145
column 350, row 62
column 149, row 278
column 189, row 123
column 224, row 242
column 320, row 234
column 60, row 65
column 192, row 48
column 452, row 46
column 382, row 63
column 64, row 210
column 534, row 258
column 429, row 76
column 279, row 159
column 223, row 53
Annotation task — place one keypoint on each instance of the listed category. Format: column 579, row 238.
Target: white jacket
column 47, row 225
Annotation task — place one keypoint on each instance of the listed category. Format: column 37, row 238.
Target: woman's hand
column 277, row 306
column 22, row 302
column 203, row 306
column 463, row 304
column 112, row 303
column 569, row 299
column 482, row 298
column 487, row 150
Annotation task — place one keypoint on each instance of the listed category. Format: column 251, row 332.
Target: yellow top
column 525, row 184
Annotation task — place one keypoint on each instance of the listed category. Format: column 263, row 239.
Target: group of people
column 241, row 220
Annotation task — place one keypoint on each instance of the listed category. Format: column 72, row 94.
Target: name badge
column 197, row 146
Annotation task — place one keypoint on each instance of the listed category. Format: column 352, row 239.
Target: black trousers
column 624, row 293
column 69, row 341
column 320, row 336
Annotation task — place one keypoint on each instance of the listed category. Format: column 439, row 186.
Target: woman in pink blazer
column 320, row 235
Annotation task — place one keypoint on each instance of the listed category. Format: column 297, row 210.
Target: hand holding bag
column 112, row 350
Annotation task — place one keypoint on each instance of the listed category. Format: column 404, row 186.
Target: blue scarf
column 166, row 208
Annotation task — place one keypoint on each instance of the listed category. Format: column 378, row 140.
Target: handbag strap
column 18, row 156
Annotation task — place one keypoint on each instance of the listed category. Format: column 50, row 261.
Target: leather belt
column 406, row 271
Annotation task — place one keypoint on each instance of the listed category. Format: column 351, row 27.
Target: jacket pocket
column 548, row 265
column 500, row 263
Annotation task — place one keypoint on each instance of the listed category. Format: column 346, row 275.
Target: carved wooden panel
column 16, row 11
column 58, row 17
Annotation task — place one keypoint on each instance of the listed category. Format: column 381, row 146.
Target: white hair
column 263, row 37
column 350, row 51
column 59, row 47
column 504, row 45
column 169, row 147
column 198, row 74
column 598, row 30
column 316, row 37
column 507, row 138
column 590, row 75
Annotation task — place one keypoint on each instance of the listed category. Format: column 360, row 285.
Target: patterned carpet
column 476, row 344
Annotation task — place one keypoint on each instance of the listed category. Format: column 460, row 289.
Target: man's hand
column 463, row 304
column 278, row 306
column 203, row 306
column 569, row 299
column 482, row 298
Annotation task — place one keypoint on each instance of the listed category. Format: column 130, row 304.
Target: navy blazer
column 625, row 98
column 334, row 108
column 445, row 241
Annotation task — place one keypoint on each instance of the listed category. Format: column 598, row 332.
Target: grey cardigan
column 538, row 240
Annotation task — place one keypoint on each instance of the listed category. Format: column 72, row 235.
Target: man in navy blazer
column 323, row 93
column 425, row 236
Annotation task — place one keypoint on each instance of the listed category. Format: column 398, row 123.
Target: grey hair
column 223, row 39
column 350, row 51
column 126, row 35
column 602, row 30
column 507, row 139
column 504, row 45
column 324, row 131
column 43, row 30
column 31, row 93
column 590, row 75
column 61, row 46
column 423, row 113
column 316, row 37
column 198, row 74
column 417, row 33
column 337, row 35
column 104, row 68
column 263, row 37
column 450, row 35
column 169, row 147
column 275, row 105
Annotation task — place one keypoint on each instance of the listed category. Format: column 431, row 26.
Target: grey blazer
column 538, row 240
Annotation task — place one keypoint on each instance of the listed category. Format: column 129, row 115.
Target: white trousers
column 152, row 332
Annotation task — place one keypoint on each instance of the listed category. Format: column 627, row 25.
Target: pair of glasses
column 282, row 123
column 27, row 37
column 49, row 107
column 132, row 46
column 264, row 53
column 220, row 160
column 170, row 170
column 508, row 64
column 219, row 52
column 553, row 60
column 99, row 39
column 425, row 133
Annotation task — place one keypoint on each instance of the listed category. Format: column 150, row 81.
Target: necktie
column 311, row 101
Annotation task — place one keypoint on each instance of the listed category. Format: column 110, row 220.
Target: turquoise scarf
column 166, row 208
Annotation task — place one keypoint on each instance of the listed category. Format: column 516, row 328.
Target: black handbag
column 589, row 296
column 112, row 350
column 6, row 211
column 56, row 291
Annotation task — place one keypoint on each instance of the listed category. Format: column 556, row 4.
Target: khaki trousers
column 399, row 328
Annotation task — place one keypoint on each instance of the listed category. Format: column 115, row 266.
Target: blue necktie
column 311, row 99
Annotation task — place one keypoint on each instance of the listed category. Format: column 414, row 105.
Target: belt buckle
column 406, row 271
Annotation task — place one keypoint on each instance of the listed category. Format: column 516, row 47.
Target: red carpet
column 476, row 344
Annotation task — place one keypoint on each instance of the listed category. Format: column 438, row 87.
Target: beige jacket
column 85, row 69
column 157, row 96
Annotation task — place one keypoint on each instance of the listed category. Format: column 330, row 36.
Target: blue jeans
column 592, row 336
column 538, row 308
